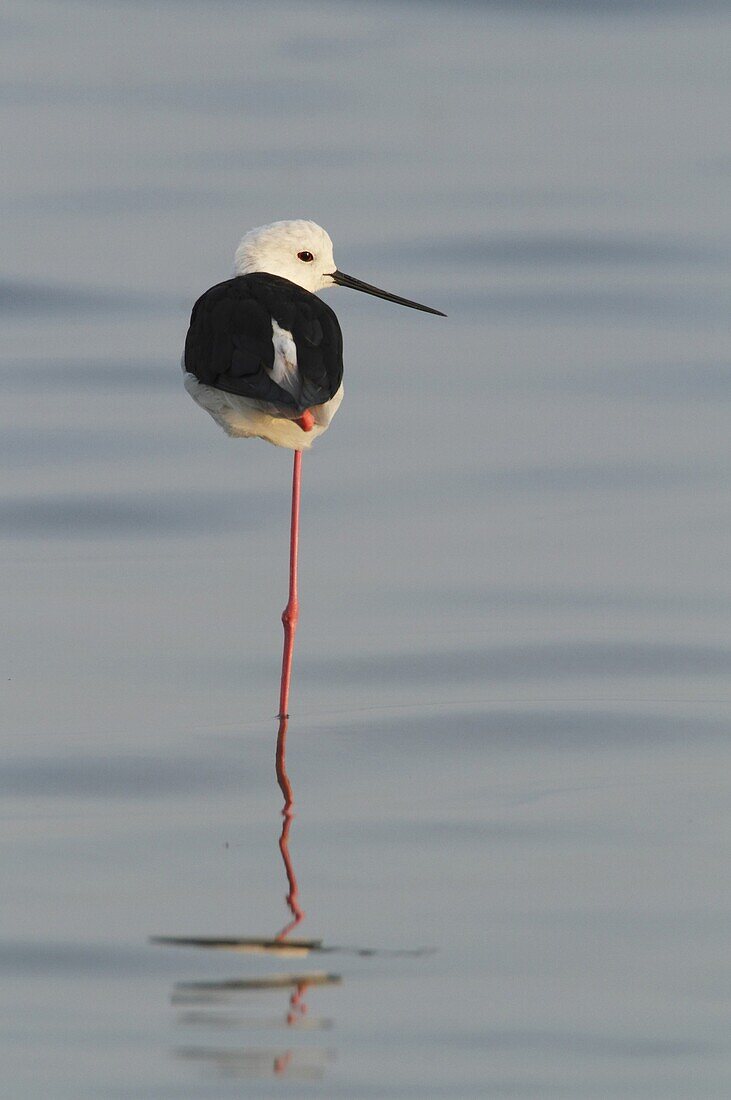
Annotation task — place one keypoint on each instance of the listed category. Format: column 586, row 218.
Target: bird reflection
column 260, row 1062
column 297, row 1006
column 219, row 1005
column 222, row 1005
column 225, row 1006
column 292, row 897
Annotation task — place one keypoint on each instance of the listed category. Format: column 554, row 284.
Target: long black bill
column 342, row 279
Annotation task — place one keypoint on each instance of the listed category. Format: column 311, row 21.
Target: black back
column 229, row 342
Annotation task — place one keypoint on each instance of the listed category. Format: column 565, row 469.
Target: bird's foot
column 306, row 421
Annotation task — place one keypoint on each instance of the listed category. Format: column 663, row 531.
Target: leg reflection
column 292, row 897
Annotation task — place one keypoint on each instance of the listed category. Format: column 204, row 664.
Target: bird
column 264, row 356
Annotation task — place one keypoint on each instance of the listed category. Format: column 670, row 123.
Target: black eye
column 306, row 257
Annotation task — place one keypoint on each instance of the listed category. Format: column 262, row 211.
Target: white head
column 302, row 252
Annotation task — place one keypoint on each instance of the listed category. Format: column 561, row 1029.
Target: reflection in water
column 217, row 1005
column 261, row 1063
column 297, row 1006
column 252, row 946
column 234, row 1005
column 285, row 786
column 220, row 992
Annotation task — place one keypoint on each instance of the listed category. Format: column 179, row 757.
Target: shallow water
column 510, row 731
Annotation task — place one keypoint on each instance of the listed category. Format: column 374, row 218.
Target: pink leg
column 290, row 614
column 289, row 620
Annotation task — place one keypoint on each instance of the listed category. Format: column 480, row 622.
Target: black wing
column 229, row 342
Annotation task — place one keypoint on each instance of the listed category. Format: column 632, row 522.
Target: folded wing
column 229, row 345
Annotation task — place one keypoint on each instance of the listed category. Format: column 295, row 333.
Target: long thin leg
column 289, row 621
column 290, row 614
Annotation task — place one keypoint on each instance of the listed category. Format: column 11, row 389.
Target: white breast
column 284, row 371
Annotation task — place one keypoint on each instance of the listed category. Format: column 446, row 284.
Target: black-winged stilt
column 264, row 356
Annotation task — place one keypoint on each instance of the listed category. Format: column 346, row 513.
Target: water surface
column 510, row 714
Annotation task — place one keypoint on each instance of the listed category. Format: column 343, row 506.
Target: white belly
column 240, row 416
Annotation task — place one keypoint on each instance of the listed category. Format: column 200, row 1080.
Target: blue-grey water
column 510, row 732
